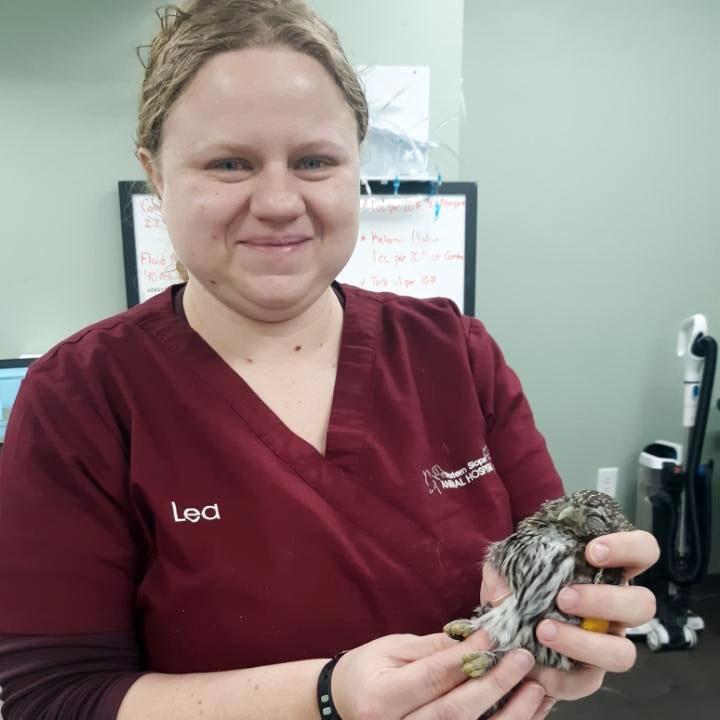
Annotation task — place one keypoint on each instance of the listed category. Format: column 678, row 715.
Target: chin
column 279, row 296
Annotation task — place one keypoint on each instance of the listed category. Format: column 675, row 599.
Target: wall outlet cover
column 607, row 480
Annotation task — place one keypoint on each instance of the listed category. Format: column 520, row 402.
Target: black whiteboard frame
column 128, row 188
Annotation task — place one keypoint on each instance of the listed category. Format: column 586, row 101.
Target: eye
column 313, row 163
column 595, row 524
column 229, row 165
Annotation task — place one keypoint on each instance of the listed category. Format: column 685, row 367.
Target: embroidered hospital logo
column 437, row 479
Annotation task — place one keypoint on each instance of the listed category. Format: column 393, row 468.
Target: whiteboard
column 419, row 241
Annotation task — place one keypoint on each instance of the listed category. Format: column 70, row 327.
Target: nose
column 275, row 197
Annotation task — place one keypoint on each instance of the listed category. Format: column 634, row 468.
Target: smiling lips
column 272, row 241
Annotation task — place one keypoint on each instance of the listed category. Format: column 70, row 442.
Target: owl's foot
column 476, row 664
column 460, row 629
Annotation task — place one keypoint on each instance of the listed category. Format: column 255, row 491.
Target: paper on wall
column 399, row 107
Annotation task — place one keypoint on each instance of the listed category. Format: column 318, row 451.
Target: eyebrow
column 311, row 146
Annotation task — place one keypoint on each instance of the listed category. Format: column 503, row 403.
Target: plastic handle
column 691, row 329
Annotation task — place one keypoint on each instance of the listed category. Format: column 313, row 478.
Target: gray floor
column 664, row 685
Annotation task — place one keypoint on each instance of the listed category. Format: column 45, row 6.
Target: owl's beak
column 568, row 515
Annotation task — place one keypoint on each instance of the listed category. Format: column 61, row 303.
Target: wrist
column 326, row 702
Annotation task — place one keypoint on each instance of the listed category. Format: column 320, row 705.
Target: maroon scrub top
column 144, row 486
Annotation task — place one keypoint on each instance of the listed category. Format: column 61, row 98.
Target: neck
column 240, row 339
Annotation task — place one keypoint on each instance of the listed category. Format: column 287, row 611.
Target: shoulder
column 109, row 340
column 434, row 315
column 87, row 381
column 434, row 332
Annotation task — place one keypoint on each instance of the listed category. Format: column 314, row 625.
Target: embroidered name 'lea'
column 193, row 515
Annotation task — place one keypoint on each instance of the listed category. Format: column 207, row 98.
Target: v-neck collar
column 347, row 427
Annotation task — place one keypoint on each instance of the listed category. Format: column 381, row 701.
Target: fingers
column 630, row 605
column 635, row 551
column 600, row 650
column 431, row 676
column 407, row 648
column 471, row 699
column 545, row 707
column 578, row 683
column 526, row 702
column 494, row 588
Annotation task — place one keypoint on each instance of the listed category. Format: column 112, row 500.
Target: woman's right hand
column 420, row 678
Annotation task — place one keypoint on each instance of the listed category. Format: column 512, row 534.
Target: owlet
column 545, row 553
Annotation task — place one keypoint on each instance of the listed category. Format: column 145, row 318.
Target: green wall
column 590, row 130
column 68, row 86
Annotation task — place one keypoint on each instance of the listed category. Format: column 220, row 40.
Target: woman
column 204, row 498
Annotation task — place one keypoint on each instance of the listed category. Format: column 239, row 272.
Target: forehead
column 260, row 93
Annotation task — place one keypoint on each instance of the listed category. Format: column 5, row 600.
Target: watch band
column 324, row 695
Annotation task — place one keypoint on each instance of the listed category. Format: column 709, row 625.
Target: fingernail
column 500, row 594
column 522, row 659
column 479, row 640
column 568, row 599
column 547, row 631
column 537, row 693
column 599, row 552
column 545, row 708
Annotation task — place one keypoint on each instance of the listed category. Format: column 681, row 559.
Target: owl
column 545, row 553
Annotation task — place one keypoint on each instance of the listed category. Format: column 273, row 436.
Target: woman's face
column 259, row 178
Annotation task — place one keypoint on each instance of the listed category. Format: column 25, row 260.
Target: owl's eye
column 595, row 525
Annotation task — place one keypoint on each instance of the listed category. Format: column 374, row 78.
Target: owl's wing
column 536, row 565
column 495, row 553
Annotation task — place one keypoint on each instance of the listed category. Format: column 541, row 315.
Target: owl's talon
column 460, row 629
column 476, row 664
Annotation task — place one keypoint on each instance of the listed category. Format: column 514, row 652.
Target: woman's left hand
column 623, row 605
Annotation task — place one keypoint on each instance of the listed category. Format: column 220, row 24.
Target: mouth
column 271, row 243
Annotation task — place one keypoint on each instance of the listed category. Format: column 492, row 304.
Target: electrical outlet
column 607, row 480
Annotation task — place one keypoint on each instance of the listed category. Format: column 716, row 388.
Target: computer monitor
column 11, row 374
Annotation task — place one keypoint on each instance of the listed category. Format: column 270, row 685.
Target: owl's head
column 585, row 514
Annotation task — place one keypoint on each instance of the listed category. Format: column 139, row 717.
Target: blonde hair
column 192, row 34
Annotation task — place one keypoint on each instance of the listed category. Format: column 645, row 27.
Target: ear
column 152, row 170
